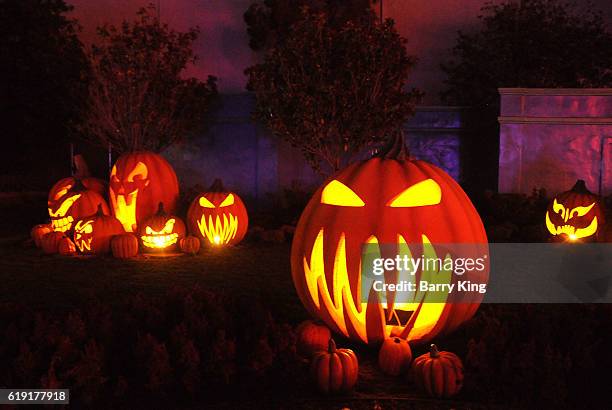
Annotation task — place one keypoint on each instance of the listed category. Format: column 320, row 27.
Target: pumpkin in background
column 161, row 232
column 394, row 356
column 124, row 245
column 92, row 234
column 139, row 181
column 575, row 214
column 77, row 202
column 190, row 245
column 66, row 247
column 391, row 200
column 334, row 370
column 218, row 217
column 440, row 374
column 50, row 242
column 38, row 231
column 311, row 337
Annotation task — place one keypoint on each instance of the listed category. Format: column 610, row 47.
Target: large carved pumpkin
column 218, row 217
column 574, row 214
column 93, row 234
column 139, row 181
column 161, row 232
column 390, row 200
column 76, row 202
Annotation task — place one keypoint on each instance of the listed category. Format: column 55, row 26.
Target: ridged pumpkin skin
column 139, row 181
column 334, row 370
column 38, row 231
column 161, row 232
column 124, row 245
column 394, row 356
column 50, row 242
column 326, row 229
column 575, row 215
column 66, row 247
column 93, row 234
column 190, row 245
column 218, row 217
column 312, row 337
column 440, row 374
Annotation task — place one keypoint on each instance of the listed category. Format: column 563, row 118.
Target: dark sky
column 429, row 25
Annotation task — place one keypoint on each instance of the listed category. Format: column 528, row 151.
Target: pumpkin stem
column 160, row 209
column 78, row 186
column 433, row 351
column 331, row 346
column 397, row 340
column 81, row 169
column 217, row 186
column 395, row 148
column 99, row 212
column 580, row 187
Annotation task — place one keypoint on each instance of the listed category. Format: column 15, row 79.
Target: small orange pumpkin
column 394, row 356
column 92, row 235
column 440, row 374
column 50, row 242
column 38, row 231
column 334, row 370
column 161, row 232
column 190, row 244
column 311, row 337
column 66, row 247
column 124, row 245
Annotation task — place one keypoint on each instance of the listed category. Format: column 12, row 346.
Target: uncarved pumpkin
column 440, row 374
column 218, row 217
column 92, row 234
column 161, row 232
column 50, row 242
column 139, row 181
column 575, row 215
column 390, row 199
column 38, row 231
column 394, row 356
column 190, row 245
column 334, row 370
column 66, row 247
column 311, row 337
column 124, row 245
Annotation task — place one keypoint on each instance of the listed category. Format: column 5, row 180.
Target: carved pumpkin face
column 218, row 217
column 161, row 232
column 574, row 214
column 71, row 202
column 92, row 235
column 381, row 201
column 139, row 181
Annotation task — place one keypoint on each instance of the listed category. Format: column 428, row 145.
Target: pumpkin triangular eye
column 336, row 193
column 205, row 203
column 423, row 193
column 229, row 200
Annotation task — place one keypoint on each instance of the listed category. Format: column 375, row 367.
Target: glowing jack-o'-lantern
column 161, row 232
column 574, row 214
column 74, row 203
column 92, row 235
column 392, row 200
column 218, row 217
column 139, row 181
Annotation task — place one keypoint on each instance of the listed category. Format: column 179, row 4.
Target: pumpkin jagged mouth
column 219, row 232
column 125, row 210
column 84, row 245
column 340, row 305
column 571, row 231
column 62, row 224
column 159, row 241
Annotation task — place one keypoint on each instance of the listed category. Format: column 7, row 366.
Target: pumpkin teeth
column 159, row 241
column 217, row 231
column 84, row 245
column 338, row 303
column 62, row 224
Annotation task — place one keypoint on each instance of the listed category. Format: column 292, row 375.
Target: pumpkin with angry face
column 218, row 217
column 139, row 181
column 574, row 214
column 389, row 200
column 161, row 232
column 73, row 202
column 93, row 234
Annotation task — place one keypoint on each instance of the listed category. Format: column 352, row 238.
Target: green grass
column 57, row 282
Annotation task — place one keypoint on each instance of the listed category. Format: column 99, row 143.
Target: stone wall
column 549, row 138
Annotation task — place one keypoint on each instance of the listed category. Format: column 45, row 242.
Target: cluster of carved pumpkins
column 334, row 370
column 143, row 193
